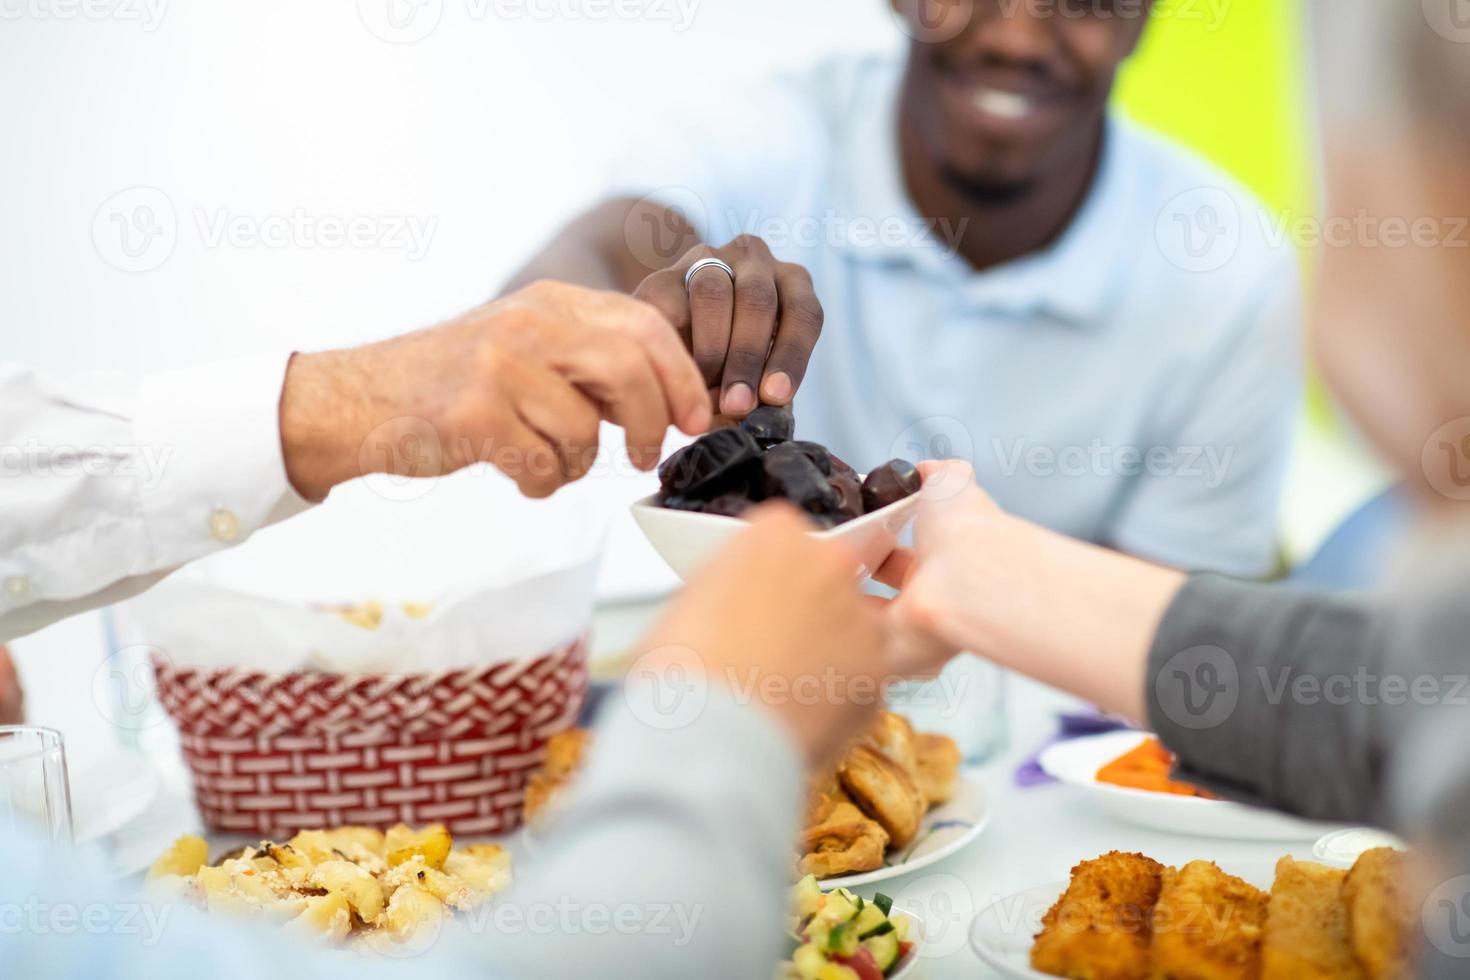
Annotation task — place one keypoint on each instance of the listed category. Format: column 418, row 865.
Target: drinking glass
column 34, row 794
column 967, row 702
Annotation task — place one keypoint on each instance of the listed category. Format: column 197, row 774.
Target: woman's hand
column 1070, row 614
column 805, row 648
column 954, row 545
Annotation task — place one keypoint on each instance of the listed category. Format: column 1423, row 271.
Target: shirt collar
column 1074, row 280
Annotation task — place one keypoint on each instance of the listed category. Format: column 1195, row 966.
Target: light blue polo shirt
column 1134, row 384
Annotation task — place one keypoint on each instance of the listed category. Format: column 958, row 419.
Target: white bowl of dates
column 708, row 485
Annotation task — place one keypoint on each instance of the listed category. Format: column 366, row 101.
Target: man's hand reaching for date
column 521, row 383
column 752, row 334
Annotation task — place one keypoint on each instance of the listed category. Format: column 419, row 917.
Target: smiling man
column 1010, row 273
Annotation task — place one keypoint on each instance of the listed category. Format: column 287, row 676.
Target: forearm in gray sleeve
column 672, row 859
column 1278, row 697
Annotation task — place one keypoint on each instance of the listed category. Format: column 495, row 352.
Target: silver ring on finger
column 703, row 264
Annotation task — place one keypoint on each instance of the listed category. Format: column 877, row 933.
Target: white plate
column 1003, row 931
column 1076, row 763
column 687, row 540
column 945, row 830
column 108, row 794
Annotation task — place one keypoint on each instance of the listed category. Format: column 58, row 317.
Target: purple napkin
column 1074, row 724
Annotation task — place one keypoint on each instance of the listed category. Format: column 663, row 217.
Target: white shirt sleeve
column 105, row 492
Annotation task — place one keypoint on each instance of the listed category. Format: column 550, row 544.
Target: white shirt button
column 224, row 526
column 17, row 586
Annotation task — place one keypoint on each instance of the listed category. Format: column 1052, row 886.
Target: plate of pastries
column 1129, row 917
column 897, row 801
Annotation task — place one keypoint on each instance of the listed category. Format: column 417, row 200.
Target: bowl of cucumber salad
column 838, row 935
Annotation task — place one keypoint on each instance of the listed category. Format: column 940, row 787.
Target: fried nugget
column 1380, row 917
column 846, row 842
column 1207, row 926
column 1306, row 935
column 1100, row 928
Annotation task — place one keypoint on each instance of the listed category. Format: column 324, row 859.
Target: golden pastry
column 939, row 764
column 884, row 791
column 892, row 735
column 847, row 841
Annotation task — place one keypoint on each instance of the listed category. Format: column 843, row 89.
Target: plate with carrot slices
column 1130, row 776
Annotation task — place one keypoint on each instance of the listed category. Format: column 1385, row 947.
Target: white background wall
column 489, row 130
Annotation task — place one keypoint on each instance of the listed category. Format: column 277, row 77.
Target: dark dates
column 890, row 483
column 813, row 451
column 770, row 425
column 796, row 478
column 714, row 463
column 728, row 471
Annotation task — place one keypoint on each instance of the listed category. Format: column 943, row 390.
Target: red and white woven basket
column 272, row 754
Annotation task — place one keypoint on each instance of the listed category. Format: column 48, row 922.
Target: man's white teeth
column 1007, row 105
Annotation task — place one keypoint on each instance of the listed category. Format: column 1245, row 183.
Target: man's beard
column 987, row 191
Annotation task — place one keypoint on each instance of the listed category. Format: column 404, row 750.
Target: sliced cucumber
column 868, row 920
column 844, row 939
column 881, row 929
column 884, row 948
column 884, row 903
